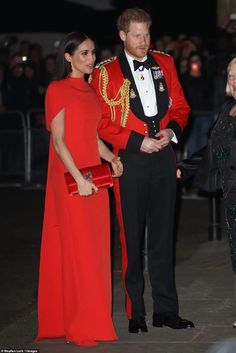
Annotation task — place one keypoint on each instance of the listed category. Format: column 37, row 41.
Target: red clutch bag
column 99, row 174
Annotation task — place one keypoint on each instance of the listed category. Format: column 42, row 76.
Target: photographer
column 199, row 94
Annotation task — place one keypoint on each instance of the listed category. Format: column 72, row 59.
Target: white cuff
column 174, row 138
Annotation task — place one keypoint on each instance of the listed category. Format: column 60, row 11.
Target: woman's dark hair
column 69, row 44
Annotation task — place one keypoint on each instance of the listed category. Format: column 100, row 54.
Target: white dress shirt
column 145, row 86
column 146, row 89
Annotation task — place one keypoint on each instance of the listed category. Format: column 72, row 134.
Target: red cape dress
column 74, row 299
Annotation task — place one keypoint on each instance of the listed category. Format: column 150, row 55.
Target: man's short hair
column 134, row 14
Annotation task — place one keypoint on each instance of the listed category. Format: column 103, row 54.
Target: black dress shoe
column 137, row 325
column 172, row 320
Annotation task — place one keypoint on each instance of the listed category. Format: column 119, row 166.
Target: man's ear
column 122, row 35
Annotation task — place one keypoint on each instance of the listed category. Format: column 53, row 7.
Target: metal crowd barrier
column 182, row 153
column 37, row 147
column 199, row 127
column 13, row 146
column 24, row 144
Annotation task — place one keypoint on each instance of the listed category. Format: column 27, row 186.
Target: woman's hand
column 86, row 188
column 117, row 167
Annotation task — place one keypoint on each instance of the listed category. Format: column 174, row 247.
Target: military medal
column 132, row 93
column 141, row 69
column 161, row 87
column 157, row 73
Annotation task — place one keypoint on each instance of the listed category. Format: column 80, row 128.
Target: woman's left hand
column 117, row 167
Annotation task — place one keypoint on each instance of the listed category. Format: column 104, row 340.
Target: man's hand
column 178, row 173
column 165, row 137
column 150, row 145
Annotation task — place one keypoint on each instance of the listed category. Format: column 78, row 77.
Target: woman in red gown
column 74, row 298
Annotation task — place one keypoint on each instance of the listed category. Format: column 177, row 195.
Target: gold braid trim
column 159, row 52
column 123, row 95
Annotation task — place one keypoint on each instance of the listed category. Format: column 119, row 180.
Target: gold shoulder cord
column 159, row 52
column 123, row 93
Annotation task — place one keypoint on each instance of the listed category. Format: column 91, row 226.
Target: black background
column 172, row 17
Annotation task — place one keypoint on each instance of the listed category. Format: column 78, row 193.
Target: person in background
column 198, row 90
column 143, row 110
column 105, row 52
column 74, row 298
column 3, row 89
column 223, row 142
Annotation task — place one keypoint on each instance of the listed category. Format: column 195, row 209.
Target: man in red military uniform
column 144, row 109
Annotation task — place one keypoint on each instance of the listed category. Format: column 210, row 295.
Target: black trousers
column 146, row 196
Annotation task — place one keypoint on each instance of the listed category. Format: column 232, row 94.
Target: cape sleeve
column 54, row 101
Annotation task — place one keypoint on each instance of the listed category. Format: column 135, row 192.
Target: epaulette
column 104, row 62
column 158, row 52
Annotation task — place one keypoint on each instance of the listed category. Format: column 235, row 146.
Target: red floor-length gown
column 74, row 298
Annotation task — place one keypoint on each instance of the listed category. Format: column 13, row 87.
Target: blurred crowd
column 25, row 73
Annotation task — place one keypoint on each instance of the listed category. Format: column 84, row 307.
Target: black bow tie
column 146, row 64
